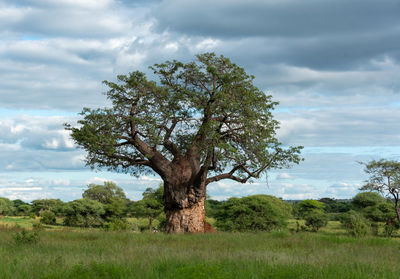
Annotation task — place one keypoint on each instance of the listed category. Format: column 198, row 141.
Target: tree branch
column 230, row 175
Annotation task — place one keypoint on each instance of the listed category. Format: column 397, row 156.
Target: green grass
column 91, row 253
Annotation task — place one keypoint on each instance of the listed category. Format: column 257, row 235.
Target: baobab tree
column 198, row 123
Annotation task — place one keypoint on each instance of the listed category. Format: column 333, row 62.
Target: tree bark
column 187, row 219
column 184, row 196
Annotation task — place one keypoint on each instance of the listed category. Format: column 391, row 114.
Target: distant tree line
column 107, row 206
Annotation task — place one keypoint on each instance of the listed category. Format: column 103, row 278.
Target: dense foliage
column 151, row 206
column 84, row 213
column 253, row 213
column 194, row 124
column 384, row 177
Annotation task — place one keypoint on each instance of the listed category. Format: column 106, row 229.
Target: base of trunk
column 184, row 220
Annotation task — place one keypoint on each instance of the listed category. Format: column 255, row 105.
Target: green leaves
column 253, row 213
column 208, row 109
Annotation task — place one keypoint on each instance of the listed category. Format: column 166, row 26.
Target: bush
column 26, row 237
column 315, row 221
column 37, row 226
column 84, row 213
column 307, row 207
column 253, row 213
column 355, row 224
column 117, row 224
column 48, row 218
column 365, row 199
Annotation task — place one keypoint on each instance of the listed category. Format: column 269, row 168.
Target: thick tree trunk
column 184, row 207
column 188, row 219
column 184, row 196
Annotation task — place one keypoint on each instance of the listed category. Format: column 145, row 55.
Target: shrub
column 26, row 237
column 116, row 224
column 355, row 224
column 37, row 226
column 307, row 207
column 315, row 221
column 84, row 213
column 253, row 213
column 48, row 218
column 364, row 199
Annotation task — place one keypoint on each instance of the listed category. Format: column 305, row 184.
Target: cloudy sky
column 333, row 65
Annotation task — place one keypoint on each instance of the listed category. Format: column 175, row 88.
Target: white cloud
column 284, row 175
column 96, row 180
column 337, row 83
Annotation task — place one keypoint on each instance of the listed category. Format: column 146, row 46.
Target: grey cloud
column 331, row 167
column 319, row 35
column 276, row 18
column 365, row 126
column 37, row 133
column 342, row 190
column 71, row 18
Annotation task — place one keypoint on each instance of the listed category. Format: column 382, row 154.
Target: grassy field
column 65, row 253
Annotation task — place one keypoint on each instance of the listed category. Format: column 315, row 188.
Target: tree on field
column 385, row 179
column 24, row 209
column 374, row 207
column 365, row 199
column 111, row 196
column 253, row 213
column 54, row 205
column 6, row 207
column 83, row 213
column 306, row 207
column 335, row 206
column 104, row 193
column 201, row 122
column 316, row 220
column 151, row 206
column 48, row 217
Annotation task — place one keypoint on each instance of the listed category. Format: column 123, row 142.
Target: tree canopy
column 253, row 213
column 210, row 108
column 196, row 123
column 104, row 193
column 384, row 178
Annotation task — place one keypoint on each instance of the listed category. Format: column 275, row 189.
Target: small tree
column 355, row 223
column 253, row 213
column 24, row 210
column 84, row 213
column 316, row 220
column 48, row 218
column 151, row 206
column 104, row 193
column 54, row 205
column 111, row 196
column 365, row 199
column 374, row 207
column 385, row 179
column 198, row 123
column 307, row 207
column 6, row 207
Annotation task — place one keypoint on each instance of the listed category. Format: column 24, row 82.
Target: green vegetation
column 97, row 254
column 151, row 206
column 384, row 178
column 84, row 213
column 253, row 213
column 102, row 236
column 194, row 124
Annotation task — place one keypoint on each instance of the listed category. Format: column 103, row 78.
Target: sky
column 334, row 67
